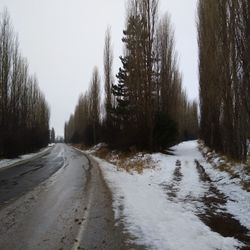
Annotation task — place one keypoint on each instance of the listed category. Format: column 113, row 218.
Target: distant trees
column 94, row 103
column 24, row 112
column 52, row 136
column 84, row 124
column 171, row 99
column 146, row 107
column 224, row 64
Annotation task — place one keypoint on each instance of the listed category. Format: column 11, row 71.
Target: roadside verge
column 9, row 163
column 102, row 220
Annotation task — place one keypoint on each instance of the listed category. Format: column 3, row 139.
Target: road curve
column 58, row 201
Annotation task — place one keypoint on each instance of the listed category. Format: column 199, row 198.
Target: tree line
column 224, row 71
column 24, row 112
column 85, row 124
column 146, row 106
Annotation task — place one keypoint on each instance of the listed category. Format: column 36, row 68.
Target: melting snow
column 9, row 162
column 158, row 207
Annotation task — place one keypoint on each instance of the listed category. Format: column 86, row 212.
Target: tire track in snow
column 208, row 202
column 185, row 187
column 216, row 216
column 172, row 188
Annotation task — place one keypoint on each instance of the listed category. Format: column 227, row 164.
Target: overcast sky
column 63, row 40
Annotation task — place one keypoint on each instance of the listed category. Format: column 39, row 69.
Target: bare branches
column 224, row 75
column 151, row 110
column 24, row 113
column 83, row 125
column 108, row 74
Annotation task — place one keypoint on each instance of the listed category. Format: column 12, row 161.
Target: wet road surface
column 59, row 201
column 20, row 179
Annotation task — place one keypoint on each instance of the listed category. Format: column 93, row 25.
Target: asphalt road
column 59, row 201
column 20, row 179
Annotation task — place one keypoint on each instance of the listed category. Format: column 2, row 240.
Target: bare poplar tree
column 223, row 84
column 151, row 110
column 24, row 113
column 108, row 75
column 94, row 102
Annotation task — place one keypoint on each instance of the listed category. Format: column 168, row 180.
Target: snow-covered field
column 162, row 208
column 5, row 163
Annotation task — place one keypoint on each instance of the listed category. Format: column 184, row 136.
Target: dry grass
column 246, row 185
column 80, row 146
column 226, row 165
column 129, row 161
column 133, row 162
column 227, row 168
column 248, row 165
column 102, row 153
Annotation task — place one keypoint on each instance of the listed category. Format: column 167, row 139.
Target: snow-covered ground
column 5, row 163
column 238, row 202
column 162, row 207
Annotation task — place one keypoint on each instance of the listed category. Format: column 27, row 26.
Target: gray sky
column 63, row 40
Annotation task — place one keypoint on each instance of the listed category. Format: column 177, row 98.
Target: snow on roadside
column 238, row 200
column 190, row 190
column 153, row 217
column 96, row 148
column 8, row 162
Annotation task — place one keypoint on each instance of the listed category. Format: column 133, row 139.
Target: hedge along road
column 58, row 201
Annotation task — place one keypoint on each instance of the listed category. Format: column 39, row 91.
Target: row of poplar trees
column 146, row 107
column 224, row 66
column 24, row 112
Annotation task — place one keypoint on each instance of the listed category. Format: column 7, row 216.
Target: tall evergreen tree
column 147, row 106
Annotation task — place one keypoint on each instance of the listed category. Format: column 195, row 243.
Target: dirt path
column 173, row 188
column 210, row 206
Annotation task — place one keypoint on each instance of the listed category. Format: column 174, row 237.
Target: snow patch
column 158, row 207
column 4, row 163
column 238, row 200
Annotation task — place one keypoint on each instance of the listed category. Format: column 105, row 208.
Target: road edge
column 38, row 155
column 126, row 237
